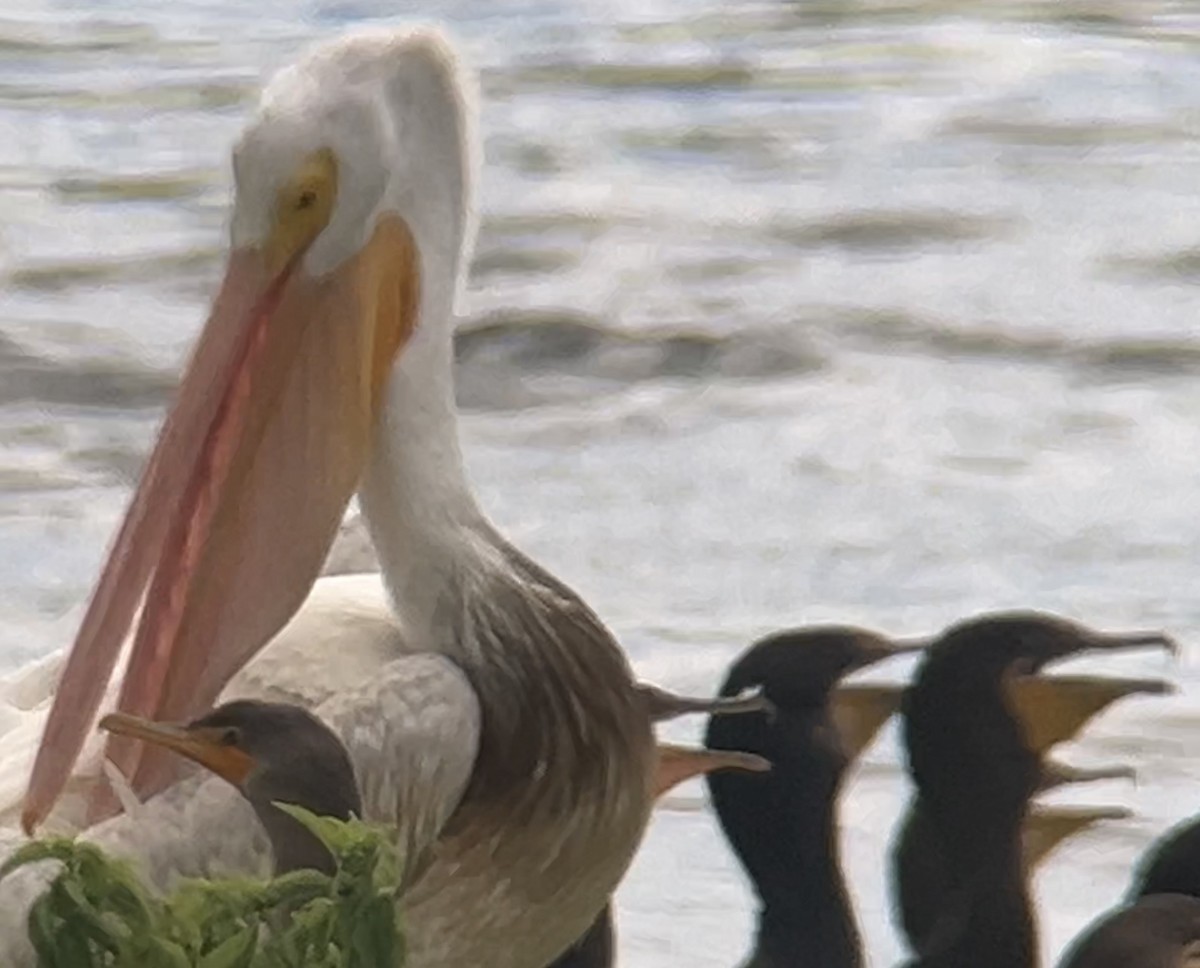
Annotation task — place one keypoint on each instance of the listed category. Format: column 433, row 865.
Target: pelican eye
column 303, row 207
column 230, row 736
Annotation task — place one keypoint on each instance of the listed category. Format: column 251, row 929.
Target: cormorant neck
column 327, row 789
column 813, row 930
column 294, row 845
column 989, row 923
column 809, row 925
column 783, row 827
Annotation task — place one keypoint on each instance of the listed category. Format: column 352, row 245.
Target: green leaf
column 236, row 952
column 86, row 922
column 296, row 889
column 374, row 937
column 98, row 914
column 51, row 848
column 43, row 931
column 175, row 956
column 73, row 949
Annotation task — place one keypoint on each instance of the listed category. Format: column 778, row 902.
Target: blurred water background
column 880, row 312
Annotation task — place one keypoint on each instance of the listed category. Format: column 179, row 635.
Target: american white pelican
column 489, row 714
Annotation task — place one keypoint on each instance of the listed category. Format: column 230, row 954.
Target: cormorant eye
column 232, row 736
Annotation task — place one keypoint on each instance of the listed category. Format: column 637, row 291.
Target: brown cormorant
column 783, row 826
column 977, row 721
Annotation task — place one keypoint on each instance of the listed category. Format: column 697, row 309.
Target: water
column 879, row 312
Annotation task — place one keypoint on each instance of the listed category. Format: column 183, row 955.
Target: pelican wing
column 413, row 735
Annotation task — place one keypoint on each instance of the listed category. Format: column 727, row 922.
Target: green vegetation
column 98, row 914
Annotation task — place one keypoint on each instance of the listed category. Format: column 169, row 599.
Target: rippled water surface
column 870, row 311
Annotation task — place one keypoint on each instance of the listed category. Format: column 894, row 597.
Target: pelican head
column 351, row 225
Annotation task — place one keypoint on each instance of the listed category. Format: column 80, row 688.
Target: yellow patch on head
column 303, row 207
